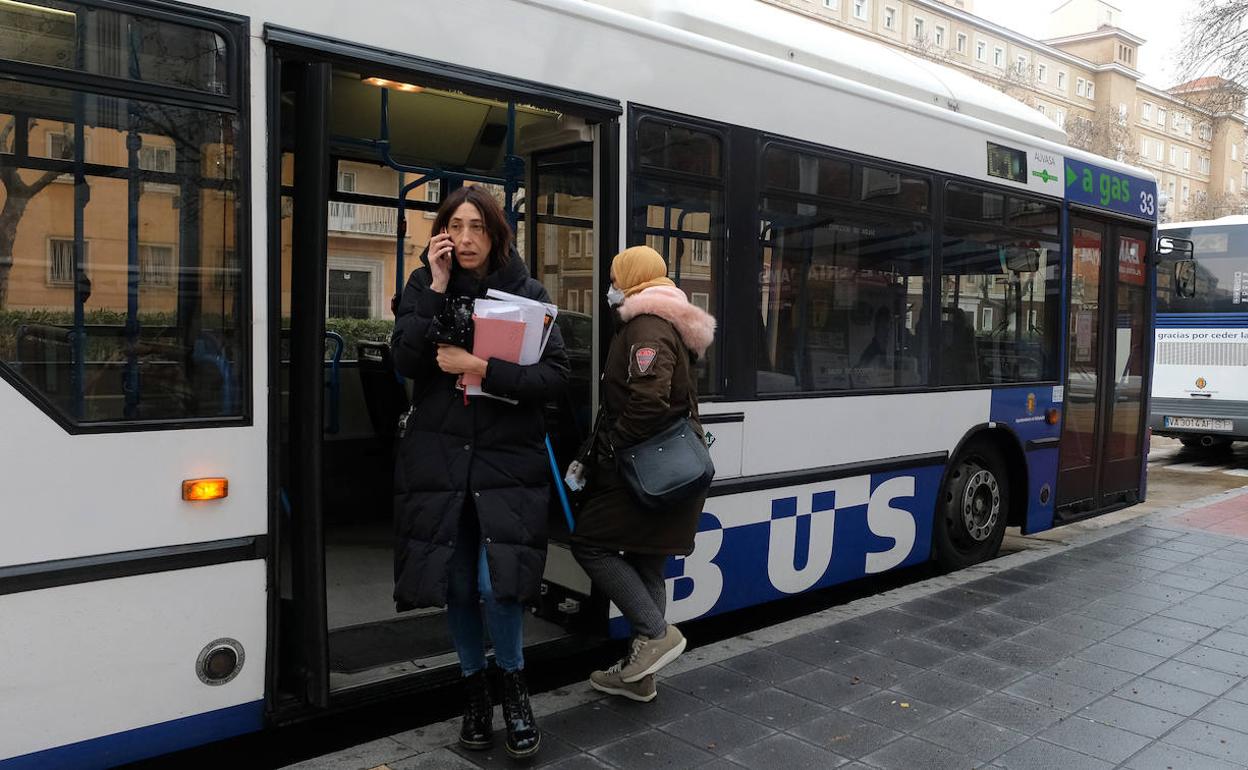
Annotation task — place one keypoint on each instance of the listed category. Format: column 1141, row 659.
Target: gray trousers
column 634, row 581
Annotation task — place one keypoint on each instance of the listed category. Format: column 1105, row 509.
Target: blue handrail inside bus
column 333, row 383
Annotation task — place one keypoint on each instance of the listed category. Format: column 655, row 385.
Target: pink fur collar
column 695, row 325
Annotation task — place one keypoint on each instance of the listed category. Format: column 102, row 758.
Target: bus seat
column 384, row 394
column 959, row 360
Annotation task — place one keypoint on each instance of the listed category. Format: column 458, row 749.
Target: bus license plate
column 1198, row 423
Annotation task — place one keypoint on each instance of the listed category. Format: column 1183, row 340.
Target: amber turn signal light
column 1051, row 415
column 205, row 489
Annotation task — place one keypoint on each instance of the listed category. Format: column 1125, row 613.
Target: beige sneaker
column 650, row 655
column 609, row 681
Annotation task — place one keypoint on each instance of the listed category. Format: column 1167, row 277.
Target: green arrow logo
column 1071, row 176
column 1044, row 175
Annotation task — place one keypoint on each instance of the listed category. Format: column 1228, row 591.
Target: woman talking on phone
column 472, row 480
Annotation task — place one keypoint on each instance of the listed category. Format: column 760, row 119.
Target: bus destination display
column 1007, row 163
column 1096, row 186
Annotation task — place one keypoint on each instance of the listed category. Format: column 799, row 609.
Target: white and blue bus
column 935, row 323
column 1200, row 381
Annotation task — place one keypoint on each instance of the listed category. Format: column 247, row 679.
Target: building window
column 1206, row 132
column 346, row 181
column 940, row 36
column 1161, row 116
column 1245, row 185
column 1081, row 87
column 1060, row 118
column 998, row 57
column 352, row 288
column 1145, row 147
column 156, row 266
column 1170, row 189
column 1043, row 109
column 1061, row 82
column 890, row 18
column 157, row 158
column 1187, row 160
column 1187, row 193
column 1174, row 155
column 1204, row 165
column 1161, row 148
column 1042, row 73
column 1091, row 90
column 1020, row 65
column 1122, row 112
column 61, row 261
column 1187, row 126
column 433, row 194
column 1146, row 111
column 1230, row 186
column 832, row 4
column 1234, row 152
column 961, row 42
column 980, row 49
column 918, row 29
column 861, row 9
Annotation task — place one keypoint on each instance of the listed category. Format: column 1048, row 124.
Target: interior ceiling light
column 396, row 85
column 36, row 8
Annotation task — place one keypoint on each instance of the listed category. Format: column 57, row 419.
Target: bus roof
column 790, row 37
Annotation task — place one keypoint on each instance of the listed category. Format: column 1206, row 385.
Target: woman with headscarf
column 647, row 385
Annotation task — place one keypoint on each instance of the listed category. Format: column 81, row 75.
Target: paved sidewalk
column 1128, row 649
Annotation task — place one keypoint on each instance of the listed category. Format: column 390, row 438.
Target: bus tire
column 973, row 508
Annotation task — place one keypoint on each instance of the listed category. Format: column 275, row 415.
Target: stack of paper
column 510, row 328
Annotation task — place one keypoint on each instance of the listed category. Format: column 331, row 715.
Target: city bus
column 934, row 324
column 1200, row 385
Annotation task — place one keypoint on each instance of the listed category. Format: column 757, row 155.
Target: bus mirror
column 1168, row 245
column 1185, row 278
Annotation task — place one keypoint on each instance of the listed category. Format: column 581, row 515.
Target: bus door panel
column 1083, row 392
column 1124, row 435
column 1102, row 434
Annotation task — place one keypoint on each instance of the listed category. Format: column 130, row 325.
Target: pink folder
column 495, row 338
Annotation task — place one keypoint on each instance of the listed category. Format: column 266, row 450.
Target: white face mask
column 614, row 296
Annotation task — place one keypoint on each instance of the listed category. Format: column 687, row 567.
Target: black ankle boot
column 477, row 731
column 523, row 735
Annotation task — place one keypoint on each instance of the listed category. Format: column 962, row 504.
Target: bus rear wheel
column 973, row 508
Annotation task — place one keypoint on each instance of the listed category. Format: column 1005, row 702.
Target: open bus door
column 1102, row 445
column 362, row 163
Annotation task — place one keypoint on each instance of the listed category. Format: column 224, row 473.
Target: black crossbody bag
column 670, row 466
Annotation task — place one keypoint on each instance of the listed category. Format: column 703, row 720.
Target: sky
column 1159, row 22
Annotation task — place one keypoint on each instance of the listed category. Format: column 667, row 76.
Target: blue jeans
column 470, row 588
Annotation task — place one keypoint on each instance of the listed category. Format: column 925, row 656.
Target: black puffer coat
column 489, row 449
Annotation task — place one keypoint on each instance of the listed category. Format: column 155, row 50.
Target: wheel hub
column 981, row 505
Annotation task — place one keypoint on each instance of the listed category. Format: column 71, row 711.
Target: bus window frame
column 850, row 203
column 720, row 378
column 234, row 30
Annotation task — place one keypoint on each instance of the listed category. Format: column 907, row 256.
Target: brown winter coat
column 646, row 386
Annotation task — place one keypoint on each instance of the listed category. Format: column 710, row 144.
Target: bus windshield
column 1221, row 254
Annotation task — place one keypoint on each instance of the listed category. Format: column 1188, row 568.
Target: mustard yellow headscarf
column 637, row 268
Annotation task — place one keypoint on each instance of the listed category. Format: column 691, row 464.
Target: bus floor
column 369, row 640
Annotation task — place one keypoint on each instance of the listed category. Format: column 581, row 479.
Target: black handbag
column 670, row 466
